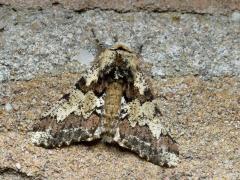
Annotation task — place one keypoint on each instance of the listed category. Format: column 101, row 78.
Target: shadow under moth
column 112, row 102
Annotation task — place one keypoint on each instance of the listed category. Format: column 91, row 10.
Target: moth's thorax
column 112, row 104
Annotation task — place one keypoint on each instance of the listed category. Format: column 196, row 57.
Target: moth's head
column 118, row 62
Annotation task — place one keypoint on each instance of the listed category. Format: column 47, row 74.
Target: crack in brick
column 9, row 171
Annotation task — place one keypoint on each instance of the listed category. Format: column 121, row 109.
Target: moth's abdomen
column 112, row 102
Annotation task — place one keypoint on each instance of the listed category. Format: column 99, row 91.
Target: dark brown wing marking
column 161, row 151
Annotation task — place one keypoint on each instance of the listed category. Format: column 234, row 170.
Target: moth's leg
column 74, row 118
column 141, row 131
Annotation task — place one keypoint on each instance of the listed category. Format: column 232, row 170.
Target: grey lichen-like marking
column 64, row 107
column 124, row 108
column 92, row 76
column 89, row 104
column 41, row 138
column 78, row 103
column 170, row 159
column 145, row 115
column 100, row 105
column 140, row 83
column 106, row 59
column 112, row 102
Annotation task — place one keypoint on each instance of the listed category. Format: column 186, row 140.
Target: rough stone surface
column 203, row 114
column 56, row 40
column 194, row 62
column 196, row 6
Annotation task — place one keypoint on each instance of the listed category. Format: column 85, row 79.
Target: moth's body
column 112, row 102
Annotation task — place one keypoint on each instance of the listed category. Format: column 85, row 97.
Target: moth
column 113, row 102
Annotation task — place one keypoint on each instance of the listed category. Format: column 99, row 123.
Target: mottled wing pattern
column 114, row 102
column 141, row 132
column 74, row 118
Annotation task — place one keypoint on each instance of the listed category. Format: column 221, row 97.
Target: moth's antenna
column 100, row 46
column 140, row 48
column 115, row 39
